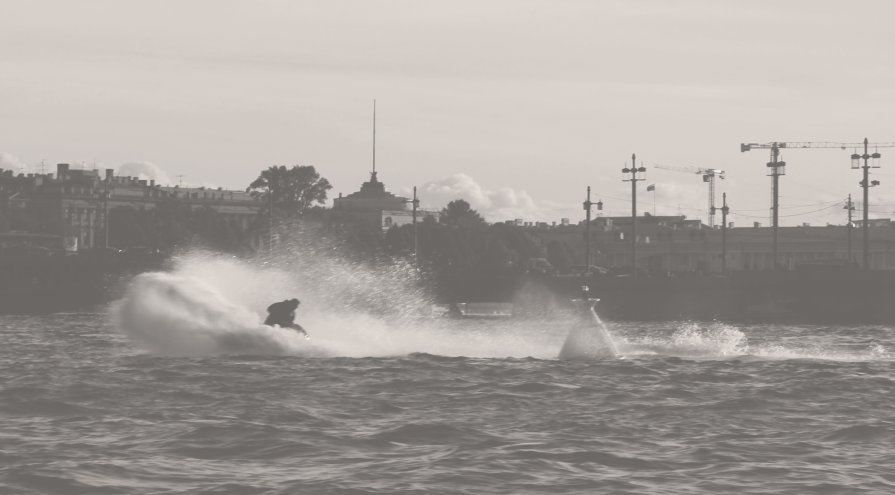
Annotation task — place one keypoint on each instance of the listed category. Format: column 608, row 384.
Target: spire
column 373, row 174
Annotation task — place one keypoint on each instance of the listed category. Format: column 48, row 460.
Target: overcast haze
column 514, row 105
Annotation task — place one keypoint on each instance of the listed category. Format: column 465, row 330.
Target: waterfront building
column 373, row 208
column 77, row 204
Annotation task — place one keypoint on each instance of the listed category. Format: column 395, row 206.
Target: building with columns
column 76, row 204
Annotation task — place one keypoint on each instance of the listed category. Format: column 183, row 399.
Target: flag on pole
column 651, row 187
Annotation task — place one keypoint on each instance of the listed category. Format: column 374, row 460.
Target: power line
column 793, row 214
column 826, row 206
column 796, row 206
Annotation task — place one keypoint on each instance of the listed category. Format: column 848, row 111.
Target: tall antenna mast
column 374, row 138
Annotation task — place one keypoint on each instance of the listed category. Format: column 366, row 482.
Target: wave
column 690, row 340
column 434, row 434
column 881, row 432
column 715, row 340
column 824, row 352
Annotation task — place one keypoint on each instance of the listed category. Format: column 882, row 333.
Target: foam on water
column 714, row 340
column 693, row 340
column 826, row 352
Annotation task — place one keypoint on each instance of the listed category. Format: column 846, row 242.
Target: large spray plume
column 213, row 304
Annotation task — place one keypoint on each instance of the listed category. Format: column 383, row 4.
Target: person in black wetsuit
column 283, row 314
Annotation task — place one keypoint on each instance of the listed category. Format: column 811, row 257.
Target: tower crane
column 809, row 144
column 778, row 168
column 708, row 176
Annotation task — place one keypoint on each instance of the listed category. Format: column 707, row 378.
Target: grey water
column 694, row 408
column 178, row 389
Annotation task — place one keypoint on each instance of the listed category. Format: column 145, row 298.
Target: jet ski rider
column 283, row 314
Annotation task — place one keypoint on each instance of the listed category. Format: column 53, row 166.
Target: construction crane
column 708, row 176
column 778, row 168
column 809, row 144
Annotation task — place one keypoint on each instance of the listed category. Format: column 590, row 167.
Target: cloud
column 495, row 205
column 145, row 171
column 505, row 203
column 8, row 161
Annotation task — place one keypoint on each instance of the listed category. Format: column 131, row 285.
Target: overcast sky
column 514, row 105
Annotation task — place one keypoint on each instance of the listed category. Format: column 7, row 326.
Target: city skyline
column 514, row 106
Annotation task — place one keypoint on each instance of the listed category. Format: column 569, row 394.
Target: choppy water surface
column 179, row 390
column 691, row 409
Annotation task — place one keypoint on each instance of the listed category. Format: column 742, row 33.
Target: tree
column 211, row 229
column 170, row 225
column 498, row 256
column 560, row 255
column 293, row 190
column 458, row 212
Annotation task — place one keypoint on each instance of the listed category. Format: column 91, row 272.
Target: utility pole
column 850, row 207
column 106, row 195
column 866, row 184
column 416, row 250
column 416, row 245
column 587, row 204
column 724, row 211
column 269, row 218
column 776, row 169
column 634, row 170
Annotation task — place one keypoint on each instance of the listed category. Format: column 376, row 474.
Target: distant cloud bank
column 145, row 171
column 495, row 205
column 8, row 161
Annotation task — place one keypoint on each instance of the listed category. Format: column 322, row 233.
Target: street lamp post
column 776, row 169
column 724, row 210
column 866, row 184
column 415, row 202
column 634, row 170
column 106, row 195
column 587, row 204
column 269, row 219
column 850, row 225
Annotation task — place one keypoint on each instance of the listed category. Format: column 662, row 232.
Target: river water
column 177, row 390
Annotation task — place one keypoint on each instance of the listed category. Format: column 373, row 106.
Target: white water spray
column 178, row 315
column 211, row 305
column 214, row 305
column 589, row 339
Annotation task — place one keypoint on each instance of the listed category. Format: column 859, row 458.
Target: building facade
column 373, row 208
column 77, row 204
